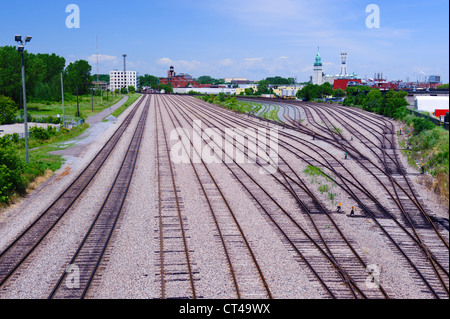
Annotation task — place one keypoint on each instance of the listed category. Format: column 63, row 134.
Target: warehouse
column 436, row 105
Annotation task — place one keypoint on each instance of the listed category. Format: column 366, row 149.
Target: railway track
column 93, row 246
column 258, row 195
column 235, row 245
column 175, row 264
column 18, row 251
column 311, row 232
column 410, row 221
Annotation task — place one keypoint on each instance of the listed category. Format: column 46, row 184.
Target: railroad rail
column 93, row 246
column 13, row 256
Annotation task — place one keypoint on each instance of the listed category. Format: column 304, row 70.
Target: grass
column 241, row 106
column 337, row 131
column 42, row 164
column 132, row 98
column 320, row 178
column 85, row 102
column 430, row 147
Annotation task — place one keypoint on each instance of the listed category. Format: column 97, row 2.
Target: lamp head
column 20, row 48
column 28, row 38
column 18, row 38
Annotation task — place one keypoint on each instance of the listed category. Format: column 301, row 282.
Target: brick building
column 181, row 80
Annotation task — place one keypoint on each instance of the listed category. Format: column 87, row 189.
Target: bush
column 8, row 110
column 11, row 167
column 43, row 134
column 421, row 125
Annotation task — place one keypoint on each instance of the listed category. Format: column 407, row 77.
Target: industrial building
column 181, row 80
column 436, row 105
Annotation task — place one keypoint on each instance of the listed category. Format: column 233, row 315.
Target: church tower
column 318, row 70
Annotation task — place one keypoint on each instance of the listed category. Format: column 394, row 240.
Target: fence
column 69, row 125
column 436, row 121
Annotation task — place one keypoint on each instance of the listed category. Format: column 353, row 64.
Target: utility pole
column 78, row 104
column 62, row 94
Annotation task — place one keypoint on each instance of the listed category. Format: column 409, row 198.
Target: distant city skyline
column 254, row 39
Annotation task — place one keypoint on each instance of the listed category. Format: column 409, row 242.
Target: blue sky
column 246, row 38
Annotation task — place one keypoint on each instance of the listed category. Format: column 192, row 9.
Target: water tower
column 344, row 57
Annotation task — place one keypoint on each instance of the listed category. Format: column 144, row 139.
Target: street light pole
column 25, row 117
column 21, row 49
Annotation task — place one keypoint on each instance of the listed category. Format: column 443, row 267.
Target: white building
column 119, row 79
column 318, row 70
column 431, row 104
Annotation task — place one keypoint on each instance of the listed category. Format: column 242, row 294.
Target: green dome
column 318, row 60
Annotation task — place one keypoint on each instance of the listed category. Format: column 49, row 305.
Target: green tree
column 279, row 80
column 249, row 91
column 394, row 104
column 310, row 92
column 10, row 73
column 8, row 110
column 338, row 93
column 78, row 75
column 373, row 101
column 326, row 89
column 166, row 87
column 263, row 87
column 206, row 79
column 42, row 75
column 148, row 80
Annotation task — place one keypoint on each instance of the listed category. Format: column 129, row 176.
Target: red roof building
column 343, row 83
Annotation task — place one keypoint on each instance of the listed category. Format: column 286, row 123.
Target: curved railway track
column 440, row 285
column 408, row 221
column 353, row 289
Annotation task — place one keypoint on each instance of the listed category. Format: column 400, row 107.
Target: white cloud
column 182, row 66
column 102, row 58
column 164, row 61
column 253, row 59
column 227, row 62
